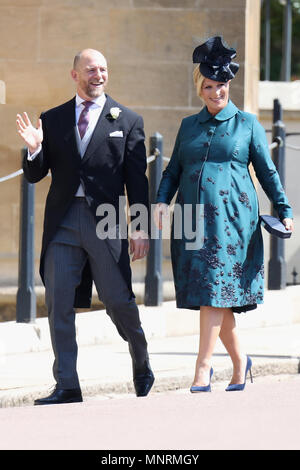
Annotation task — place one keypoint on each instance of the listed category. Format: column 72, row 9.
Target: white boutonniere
column 115, row 112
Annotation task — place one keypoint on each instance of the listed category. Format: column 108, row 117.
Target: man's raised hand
column 32, row 136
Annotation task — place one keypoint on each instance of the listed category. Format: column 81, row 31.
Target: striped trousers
column 74, row 242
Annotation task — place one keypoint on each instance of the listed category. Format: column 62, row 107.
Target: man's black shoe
column 143, row 383
column 61, row 396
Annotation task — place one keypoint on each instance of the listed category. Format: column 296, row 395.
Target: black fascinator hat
column 215, row 59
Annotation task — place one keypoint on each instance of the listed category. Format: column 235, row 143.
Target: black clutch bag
column 274, row 226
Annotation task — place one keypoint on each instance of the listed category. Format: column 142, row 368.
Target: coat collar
column 67, row 126
column 226, row 113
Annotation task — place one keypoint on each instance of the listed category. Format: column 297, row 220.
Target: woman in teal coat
column 220, row 271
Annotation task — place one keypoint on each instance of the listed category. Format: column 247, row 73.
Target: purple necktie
column 83, row 120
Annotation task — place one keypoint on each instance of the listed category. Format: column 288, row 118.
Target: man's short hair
column 76, row 60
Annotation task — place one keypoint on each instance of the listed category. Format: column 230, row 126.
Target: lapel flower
column 115, row 112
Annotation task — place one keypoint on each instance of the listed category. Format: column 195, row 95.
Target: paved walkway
column 270, row 335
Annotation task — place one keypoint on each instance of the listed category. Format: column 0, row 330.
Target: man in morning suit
column 94, row 148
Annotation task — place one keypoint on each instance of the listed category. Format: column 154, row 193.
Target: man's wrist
column 33, row 150
column 33, row 153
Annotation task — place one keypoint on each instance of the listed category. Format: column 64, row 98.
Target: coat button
column 210, row 132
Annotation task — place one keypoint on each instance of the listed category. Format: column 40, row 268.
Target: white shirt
column 94, row 114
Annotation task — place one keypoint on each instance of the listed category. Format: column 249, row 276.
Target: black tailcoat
column 109, row 166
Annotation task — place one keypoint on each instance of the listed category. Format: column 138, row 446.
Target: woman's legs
column 214, row 323
column 211, row 319
column 229, row 337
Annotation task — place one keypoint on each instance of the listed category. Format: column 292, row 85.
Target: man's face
column 90, row 75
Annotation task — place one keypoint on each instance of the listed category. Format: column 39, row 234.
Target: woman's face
column 215, row 95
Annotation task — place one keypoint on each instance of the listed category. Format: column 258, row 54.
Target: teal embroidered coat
column 209, row 168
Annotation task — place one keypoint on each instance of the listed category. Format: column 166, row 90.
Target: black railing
column 153, row 280
column 277, row 263
column 26, row 298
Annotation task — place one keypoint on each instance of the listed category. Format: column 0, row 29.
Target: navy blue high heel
column 205, row 388
column 234, row 387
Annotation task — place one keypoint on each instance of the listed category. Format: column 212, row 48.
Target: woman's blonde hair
column 198, row 80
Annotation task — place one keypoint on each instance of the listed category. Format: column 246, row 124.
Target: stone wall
column 148, row 44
